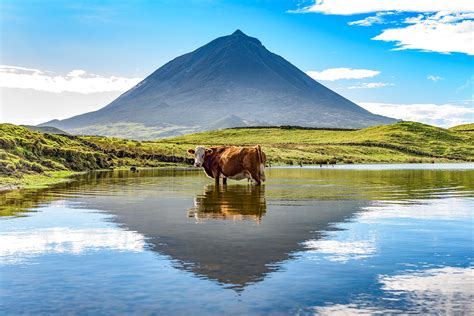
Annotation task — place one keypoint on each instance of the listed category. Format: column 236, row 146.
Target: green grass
column 463, row 128
column 399, row 142
column 30, row 158
column 35, row 180
column 26, row 151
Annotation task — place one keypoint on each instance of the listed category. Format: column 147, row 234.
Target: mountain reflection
column 235, row 252
column 237, row 235
column 237, row 202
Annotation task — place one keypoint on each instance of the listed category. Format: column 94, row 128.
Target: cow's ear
column 191, row 151
column 209, row 151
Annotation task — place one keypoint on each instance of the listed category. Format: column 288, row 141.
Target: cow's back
column 238, row 160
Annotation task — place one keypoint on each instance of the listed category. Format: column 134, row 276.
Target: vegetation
column 31, row 157
column 34, row 180
column 463, row 128
column 399, row 142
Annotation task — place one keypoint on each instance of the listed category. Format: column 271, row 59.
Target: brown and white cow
column 231, row 162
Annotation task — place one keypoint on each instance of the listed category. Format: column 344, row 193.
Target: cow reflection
column 230, row 202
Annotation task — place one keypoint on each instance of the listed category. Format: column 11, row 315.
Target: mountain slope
column 231, row 76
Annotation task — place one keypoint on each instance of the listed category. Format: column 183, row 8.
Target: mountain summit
column 231, row 81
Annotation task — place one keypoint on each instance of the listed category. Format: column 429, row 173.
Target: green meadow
column 33, row 158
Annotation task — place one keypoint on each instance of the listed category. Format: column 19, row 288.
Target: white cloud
column 435, row 33
column 77, row 73
column 444, row 115
column 370, row 85
column 342, row 73
column 341, row 7
column 434, row 78
column 28, row 106
column 78, row 81
column 442, row 26
column 13, row 69
column 370, row 20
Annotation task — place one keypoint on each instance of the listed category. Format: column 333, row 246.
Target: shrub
column 53, row 164
column 415, row 160
column 7, row 167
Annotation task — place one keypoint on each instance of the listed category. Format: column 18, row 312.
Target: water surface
column 310, row 241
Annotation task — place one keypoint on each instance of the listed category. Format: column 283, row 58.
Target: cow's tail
column 261, row 162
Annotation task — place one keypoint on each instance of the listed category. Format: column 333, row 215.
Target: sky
column 408, row 59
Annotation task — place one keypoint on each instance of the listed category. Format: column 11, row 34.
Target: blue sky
column 62, row 58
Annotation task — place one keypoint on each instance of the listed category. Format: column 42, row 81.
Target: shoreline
column 9, row 187
column 36, row 181
column 50, row 178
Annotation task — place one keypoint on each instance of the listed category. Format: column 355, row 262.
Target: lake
column 349, row 239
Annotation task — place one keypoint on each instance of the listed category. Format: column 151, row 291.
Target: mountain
column 231, row 80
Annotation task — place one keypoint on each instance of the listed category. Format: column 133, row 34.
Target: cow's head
column 199, row 154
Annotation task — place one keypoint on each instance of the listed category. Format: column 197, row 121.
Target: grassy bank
column 31, row 158
column 34, row 180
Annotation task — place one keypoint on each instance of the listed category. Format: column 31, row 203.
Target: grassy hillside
column 463, row 128
column 399, row 142
column 25, row 153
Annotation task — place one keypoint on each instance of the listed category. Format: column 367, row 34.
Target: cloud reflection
column 447, row 290
column 350, row 309
column 342, row 251
column 16, row 247
column 442, row 209
column 444, row 290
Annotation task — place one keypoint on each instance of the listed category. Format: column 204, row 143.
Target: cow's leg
column 217, row 175
column 224, row 181
column 256, row 177
column 262, row 172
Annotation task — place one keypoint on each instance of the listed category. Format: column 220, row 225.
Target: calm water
column 368, row 239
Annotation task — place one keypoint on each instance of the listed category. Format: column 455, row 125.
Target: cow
column 231, row 162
